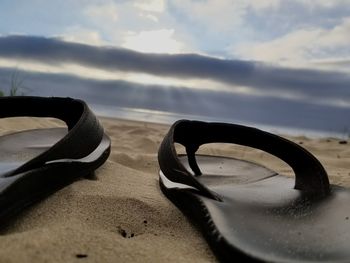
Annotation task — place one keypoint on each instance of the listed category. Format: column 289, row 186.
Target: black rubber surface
column 261, row 217
column 21, row 190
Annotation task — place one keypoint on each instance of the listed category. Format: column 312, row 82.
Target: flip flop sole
column 261, row 216
column 21, row 190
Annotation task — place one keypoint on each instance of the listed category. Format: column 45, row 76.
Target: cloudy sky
column 251, row 53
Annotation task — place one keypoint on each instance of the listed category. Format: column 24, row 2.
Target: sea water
column 165, row 117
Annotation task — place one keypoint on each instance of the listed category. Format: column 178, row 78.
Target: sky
column 270, row 61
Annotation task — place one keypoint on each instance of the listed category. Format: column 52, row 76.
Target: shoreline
column 167, row 118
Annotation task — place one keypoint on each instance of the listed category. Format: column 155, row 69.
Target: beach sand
column 121, row 215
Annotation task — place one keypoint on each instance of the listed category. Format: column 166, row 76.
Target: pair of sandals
column 244, row 210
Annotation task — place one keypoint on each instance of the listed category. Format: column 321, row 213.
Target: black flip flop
column 246, row 211
column 35, row 163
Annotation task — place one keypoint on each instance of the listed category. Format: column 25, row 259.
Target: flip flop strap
column 310, row 176
column 84, row 131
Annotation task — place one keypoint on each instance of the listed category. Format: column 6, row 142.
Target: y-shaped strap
column 310, row 176
column 84, row 131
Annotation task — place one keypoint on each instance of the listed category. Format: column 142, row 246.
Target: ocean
column 163, row 117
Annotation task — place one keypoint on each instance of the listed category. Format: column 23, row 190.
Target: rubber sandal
column 249, row 212
column 35, row 163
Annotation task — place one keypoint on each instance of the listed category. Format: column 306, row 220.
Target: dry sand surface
column 121, row 215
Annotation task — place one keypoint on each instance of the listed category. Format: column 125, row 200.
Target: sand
column 121, row 215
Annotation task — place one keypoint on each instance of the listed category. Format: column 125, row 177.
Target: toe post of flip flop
column 247, row 211
column 35, row 163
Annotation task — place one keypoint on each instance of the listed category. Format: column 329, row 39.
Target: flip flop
column 247, row 211
column 35, row 163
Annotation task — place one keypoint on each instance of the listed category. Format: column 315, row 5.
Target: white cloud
column 220, row 15
column 322, row 4
column 82, row 35
column 154, row 41
column 150, row 17
column 106, row 11
column 264, row 4
column 301, row 46
column 341, row 64
column 309, row 4
column 150, row 5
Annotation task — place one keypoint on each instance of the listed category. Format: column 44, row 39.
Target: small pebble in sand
column 122, row 232
column 81, row 255
column 343, row 142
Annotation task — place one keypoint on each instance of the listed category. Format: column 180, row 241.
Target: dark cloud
column 312, row 84
column 220, row 106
